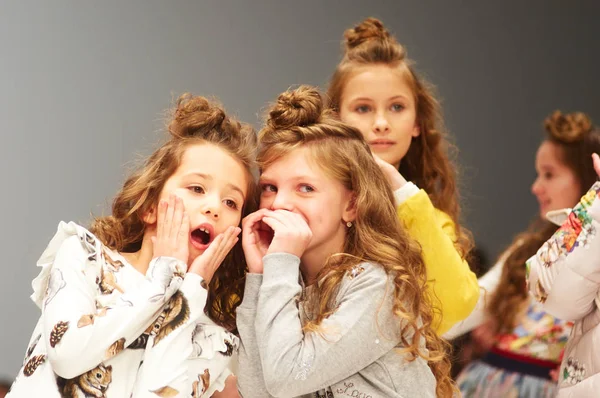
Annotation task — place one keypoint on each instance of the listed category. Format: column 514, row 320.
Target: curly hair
column 428, row 162
column 195, row 120
column 298, row 119
column 576, row 139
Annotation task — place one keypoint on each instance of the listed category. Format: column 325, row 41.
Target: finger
column 209, row 254
column 184, row 230
column 253, row 218
column 169, row 216
column 289, row 219
column 299, row 221
column 230, row 238
column 596, row 160
column 275, row 224
column 160, row 220
column 177, row 218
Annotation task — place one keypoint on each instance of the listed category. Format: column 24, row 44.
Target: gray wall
column 84, row 84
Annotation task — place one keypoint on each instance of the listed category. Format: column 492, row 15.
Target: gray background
column 84, row 85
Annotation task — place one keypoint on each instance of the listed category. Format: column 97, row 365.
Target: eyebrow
column 395, row 97
column 268, row 179
column 229, row 185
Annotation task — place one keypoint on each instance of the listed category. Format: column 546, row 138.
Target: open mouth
column 202, row 236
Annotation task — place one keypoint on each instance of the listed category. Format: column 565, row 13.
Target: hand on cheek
column 208, row 262
column 172, row 230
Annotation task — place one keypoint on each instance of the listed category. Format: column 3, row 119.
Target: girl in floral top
column 563, row 276
column 526, row 343
column 140, row 305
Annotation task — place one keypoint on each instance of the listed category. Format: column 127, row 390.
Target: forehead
column 210, row 159
column 549, row 154
column 377, row 81
column 298, row 162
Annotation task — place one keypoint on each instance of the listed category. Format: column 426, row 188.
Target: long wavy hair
column 298, row 119
column 195, row 120
column 576, row 138
column 428, row 162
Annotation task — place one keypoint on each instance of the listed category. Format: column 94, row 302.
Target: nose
column 282, row 201
column 381, row 125
column 536, row 187
column 211, row 206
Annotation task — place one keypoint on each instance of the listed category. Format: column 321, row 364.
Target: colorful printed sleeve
column 564, row 274
column 251, row 382
column 81, row 332
column 297, row 362
column 189, row 354
column 453, row 283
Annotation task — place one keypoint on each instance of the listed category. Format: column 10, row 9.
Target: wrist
column 203, row 273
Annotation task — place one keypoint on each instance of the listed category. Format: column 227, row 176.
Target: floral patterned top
column 564, row 276
column 538, row 335
column 106, row 330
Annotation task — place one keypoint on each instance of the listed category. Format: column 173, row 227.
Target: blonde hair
column 577, row 139
column 195, row 120
column 299, row 119
column 427, row 162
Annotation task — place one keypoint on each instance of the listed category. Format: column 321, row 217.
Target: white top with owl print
column 108, row 331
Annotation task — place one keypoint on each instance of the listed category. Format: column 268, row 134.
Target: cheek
column 265, row 202
column 357, row 121
column 564, row 193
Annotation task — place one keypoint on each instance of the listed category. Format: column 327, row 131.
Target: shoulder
column 364, row 277
column 71, row 242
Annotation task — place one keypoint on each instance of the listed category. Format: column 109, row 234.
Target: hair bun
column 300, row 107
column 369, row 29
column 568, row 128
column 195, row 116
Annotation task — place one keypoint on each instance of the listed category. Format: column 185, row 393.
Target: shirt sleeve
column 564, row 274
column 453, row 284
column 488, row 284
column 297, row 362
column 189, row 354
column 251, row 382
column 83, row 334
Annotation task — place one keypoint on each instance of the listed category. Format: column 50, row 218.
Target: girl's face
column 556, row 186
column 297, row 184
column 378, row 101
column 213, row 187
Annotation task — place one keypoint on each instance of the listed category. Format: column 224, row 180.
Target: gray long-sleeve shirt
column 353, row 355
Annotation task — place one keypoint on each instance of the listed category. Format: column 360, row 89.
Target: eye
column 362, row 109
column 548, row 175
column 98, row 376
column 397, row 107
column 305, row 188
column 196, row 189
column 268, row 188
column 230, row 203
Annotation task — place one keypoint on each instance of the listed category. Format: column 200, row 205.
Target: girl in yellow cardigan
column 375, row 89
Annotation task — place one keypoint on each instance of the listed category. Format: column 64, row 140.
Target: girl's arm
column 487, row 284
column 81, row 333
column 189, row 354
column 454, row 286
column 362, row 329
column 251, row 382
column 565, row 272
